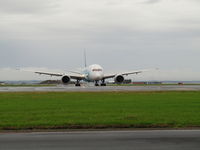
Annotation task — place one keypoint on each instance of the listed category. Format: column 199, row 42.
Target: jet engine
column 119, row 79
column 65, row 79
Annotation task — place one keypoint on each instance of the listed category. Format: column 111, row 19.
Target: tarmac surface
column 63, row 88
column 103, row 140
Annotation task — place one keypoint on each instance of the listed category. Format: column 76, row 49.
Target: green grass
column 99, row 110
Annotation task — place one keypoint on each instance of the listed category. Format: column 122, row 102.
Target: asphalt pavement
column 103, row 140
column 66, row 88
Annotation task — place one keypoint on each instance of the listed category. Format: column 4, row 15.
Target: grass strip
column 97, row 110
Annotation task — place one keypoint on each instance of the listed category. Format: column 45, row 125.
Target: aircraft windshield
column 96, row 69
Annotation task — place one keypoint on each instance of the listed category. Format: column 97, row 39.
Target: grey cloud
column 119, row 36
column 26, row 6
column 151, row 1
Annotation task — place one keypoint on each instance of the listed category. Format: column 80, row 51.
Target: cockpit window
column 96, row 69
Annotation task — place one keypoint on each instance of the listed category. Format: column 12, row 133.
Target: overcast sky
column 120, row 35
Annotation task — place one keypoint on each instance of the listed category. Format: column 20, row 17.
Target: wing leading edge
column 123, row 74
column 77, row 77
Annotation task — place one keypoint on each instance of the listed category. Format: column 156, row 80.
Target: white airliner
column 93, row 73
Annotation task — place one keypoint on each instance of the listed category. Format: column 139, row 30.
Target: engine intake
column 65, row 79
column 119, row 79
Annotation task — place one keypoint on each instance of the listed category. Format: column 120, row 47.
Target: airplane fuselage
column 93, row 73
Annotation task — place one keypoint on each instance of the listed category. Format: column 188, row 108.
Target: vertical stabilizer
column 85, row 58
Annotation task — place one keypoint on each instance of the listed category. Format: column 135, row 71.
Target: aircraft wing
column 124, row 73
column 49, row 73
column 78, row 76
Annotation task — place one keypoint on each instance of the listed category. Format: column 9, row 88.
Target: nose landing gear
column 77, row 83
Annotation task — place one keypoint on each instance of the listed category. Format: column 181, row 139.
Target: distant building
column 51, row 82
column 138, row 82
column 153, row 82
column 55, row 82
column 148, row 83
column 127, row 81
column 2, row 83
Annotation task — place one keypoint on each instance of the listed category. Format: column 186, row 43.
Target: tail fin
column 85, row 58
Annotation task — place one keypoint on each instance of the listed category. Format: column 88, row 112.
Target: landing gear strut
column 77, row 83
column 96, row 83
column 103, row 83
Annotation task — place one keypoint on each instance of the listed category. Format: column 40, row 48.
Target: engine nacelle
column 66, row 79
column 119, row 79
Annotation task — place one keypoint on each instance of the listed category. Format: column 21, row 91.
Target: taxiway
column 103, row 140
column 63, row 88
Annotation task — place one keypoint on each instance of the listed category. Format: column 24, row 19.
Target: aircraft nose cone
column 98, row 77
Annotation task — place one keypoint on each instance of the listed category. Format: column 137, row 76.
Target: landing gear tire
column 96, row 83
column 103, row 82
column 78, row 84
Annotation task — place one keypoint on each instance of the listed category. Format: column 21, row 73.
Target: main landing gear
column 102, row 83
column 96, row 83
